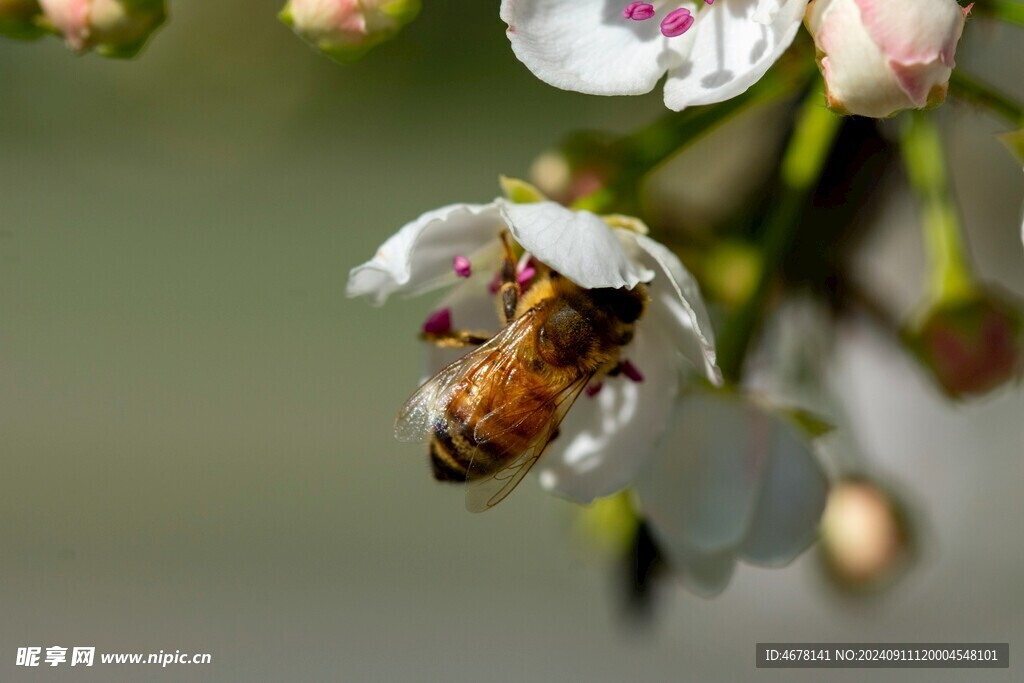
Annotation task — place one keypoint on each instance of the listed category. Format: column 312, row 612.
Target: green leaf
column 520, row 191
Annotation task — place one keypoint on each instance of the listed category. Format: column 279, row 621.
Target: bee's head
column 627, row 305
column 565, row 335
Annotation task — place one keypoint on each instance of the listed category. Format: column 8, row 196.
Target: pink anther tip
column 638, row 11
column 461, row 266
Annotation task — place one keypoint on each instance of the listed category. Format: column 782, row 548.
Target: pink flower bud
column 971, row 347
column 113, row 28
column 879, row 57
column 345, row 30
column 865, row 536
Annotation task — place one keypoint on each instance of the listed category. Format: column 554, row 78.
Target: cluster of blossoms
column 876, row 57
column 715, row 474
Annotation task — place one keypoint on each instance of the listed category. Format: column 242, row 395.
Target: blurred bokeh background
column 195, row 424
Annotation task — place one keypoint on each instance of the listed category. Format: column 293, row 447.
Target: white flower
column 879, row 57
column 732, row 481
column 712, row 52
column 114, row 28
column 606, row 438
column 717, row 477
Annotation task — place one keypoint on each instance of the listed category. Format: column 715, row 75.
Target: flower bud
column 865, row 538
column 345, row 30
column 879, row 57
column 113, row 28
column 18, row 19
column 971, row 346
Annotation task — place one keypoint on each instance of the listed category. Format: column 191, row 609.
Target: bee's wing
column 421, row 410
column 486, row 492
column 429, row 403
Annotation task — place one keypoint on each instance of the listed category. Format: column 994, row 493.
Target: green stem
column 967, row 87
column 950, row 271
column 642, row 151
column 1010, row 11
column 802, row 164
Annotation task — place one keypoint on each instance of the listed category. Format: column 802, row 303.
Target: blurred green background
column 195, row 423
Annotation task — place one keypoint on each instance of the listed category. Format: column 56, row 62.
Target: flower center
column 675, row 23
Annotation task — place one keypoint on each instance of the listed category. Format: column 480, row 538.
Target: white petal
column 699, row 491
column 586, row 45
column 766, row 11
column 791, row 501
column 731, row 50
column 914, row 31
column 419, row 256
column 606, row 439
column 677, row 304
column 577, row 244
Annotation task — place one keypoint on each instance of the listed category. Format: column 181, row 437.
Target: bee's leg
column 454, row 338
column 509, row 285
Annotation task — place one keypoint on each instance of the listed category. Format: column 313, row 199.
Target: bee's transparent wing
column 429, row 403
column 421, row 410
column 485, row 492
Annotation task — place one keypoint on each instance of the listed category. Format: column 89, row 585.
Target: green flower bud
column 345, row 30
column 971, row 345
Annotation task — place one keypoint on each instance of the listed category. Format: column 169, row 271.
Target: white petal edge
column 586, row 45
column 577, row 244
column 706, row 574
column 607, row 439
column 794, row 489
column 680, row 306
column 419, row 256
column 731, row 50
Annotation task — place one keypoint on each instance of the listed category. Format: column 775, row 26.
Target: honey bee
column 489, row 415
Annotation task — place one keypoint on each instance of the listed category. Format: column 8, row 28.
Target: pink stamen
column 524, row 271
column 461, row 266
column 709, row 2
column 593, row 389
column 638, row 11
column 631, row 371
column 438, row 322
column 676, row 23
